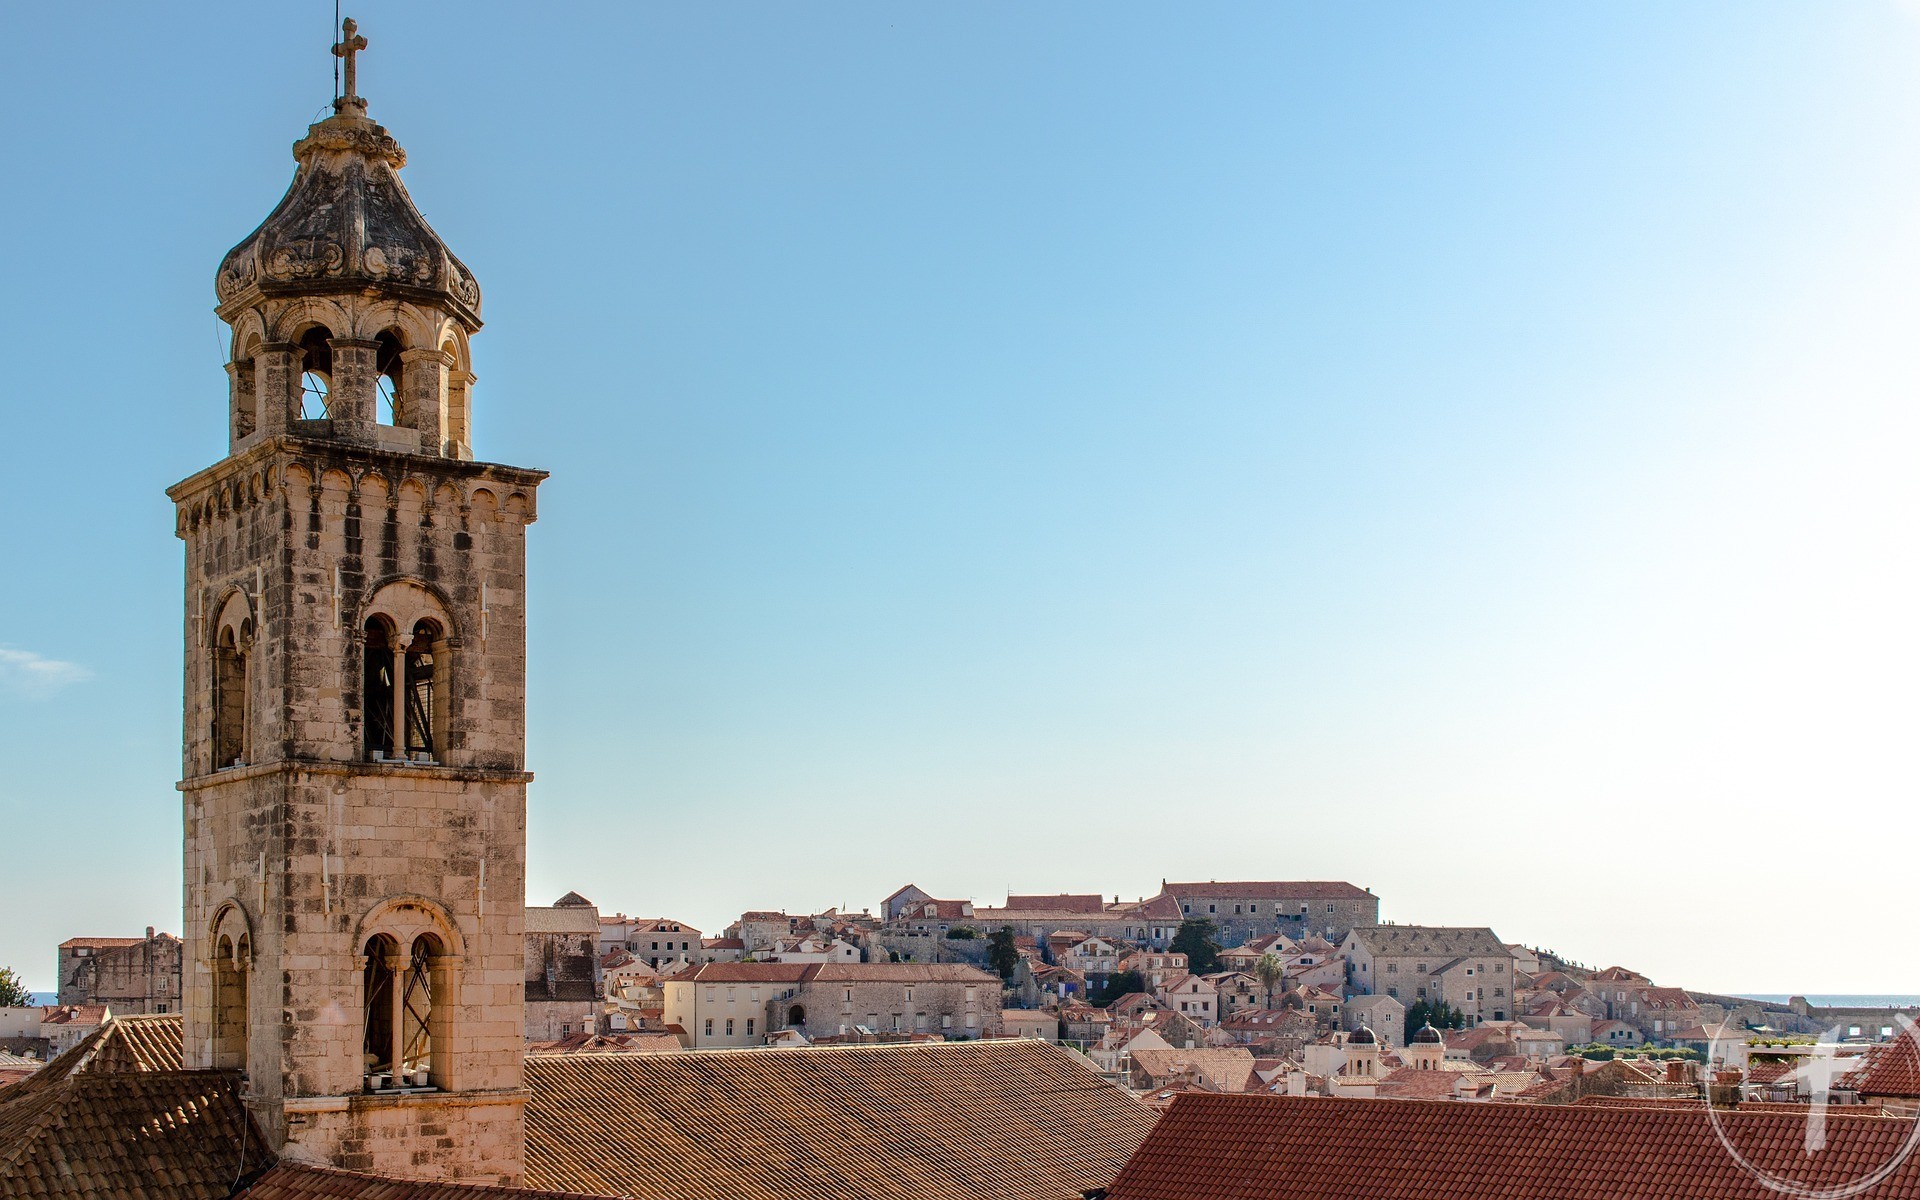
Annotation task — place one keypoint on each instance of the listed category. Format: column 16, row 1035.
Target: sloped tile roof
column 1891, row 1069
column 1227, row 1068
column 1434, row 941
column 562, row 920
column 115, row 1117
column 1260, row 1147
column 1290, row 889
column 939, row 1121
column 850, row 972
column 1064, row 902
column 290, row 1181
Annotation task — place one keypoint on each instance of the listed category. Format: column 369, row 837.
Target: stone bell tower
column 355, row 694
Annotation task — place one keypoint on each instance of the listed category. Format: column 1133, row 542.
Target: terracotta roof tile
column 940, row 1121
column 290, row 1181
column 1891, row 1069
column 1260, row 1147
column 115, row 1117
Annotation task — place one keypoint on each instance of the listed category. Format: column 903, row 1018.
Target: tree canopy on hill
column 1196, row 940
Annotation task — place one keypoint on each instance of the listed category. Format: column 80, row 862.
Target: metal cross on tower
column 350, row 44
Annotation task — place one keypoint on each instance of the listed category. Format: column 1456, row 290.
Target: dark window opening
column 377, row 995
column 377, row 689
column 422, row 714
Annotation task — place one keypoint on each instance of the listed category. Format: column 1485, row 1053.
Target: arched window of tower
column 377, row 687
column 389, row 403
column 380, row 999
column 425, row 671
column 316, row 373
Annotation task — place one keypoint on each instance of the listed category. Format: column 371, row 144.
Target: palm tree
column 1271, row 972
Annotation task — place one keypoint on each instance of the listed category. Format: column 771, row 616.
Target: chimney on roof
column 1676, row 1071
column 149, row 933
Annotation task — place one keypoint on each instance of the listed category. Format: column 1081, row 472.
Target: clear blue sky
column 1466, row 449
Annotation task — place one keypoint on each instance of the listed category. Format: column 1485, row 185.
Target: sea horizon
column 1839, row 999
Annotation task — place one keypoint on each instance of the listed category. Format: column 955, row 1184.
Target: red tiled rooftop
column 1259, row 1147
column 1891, row 1069
column 290, row 1181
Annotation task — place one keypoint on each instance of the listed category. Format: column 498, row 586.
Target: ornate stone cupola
column 354, row 732
column 357, row 312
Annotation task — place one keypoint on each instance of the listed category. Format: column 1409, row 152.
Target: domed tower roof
column 347, row 225
column 1362, row 1036
column 1427, row 1034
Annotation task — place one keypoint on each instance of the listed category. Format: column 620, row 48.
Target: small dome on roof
column 1362, row 1037
column 1427, row 1033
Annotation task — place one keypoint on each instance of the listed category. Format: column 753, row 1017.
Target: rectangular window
column 749, row 1026
column 729, row 1026
column 566, row 1031
column 709, row 1026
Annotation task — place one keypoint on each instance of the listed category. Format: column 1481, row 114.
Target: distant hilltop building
column 1245, row 910
column 130, row 975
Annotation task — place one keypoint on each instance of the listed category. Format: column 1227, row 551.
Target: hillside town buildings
column 363, row 1007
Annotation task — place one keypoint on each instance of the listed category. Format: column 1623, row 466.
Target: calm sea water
column 1825, row 1001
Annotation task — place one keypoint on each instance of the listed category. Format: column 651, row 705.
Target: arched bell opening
column 389, row 402
column 379, row 997
column 408, row 1040
column 425, row 689
column 316, row 374
column 377, row 687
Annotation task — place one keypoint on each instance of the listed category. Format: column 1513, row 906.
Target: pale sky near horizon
column 1464, row 449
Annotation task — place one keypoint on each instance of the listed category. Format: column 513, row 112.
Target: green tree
column 1195, row 940
column 961, row 933
column 1271, row 973
column 1440, row 1015
column 1002, row 955
column 13, row 990
column 1118, row 985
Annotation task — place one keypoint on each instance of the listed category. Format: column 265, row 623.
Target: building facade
column 353, row 760
column 740, row 1004
column 562, row 964
column 1468, row 968
column 1245, row 910
column 128, row 975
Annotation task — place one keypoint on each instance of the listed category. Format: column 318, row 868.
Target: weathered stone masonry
column 355, row 693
